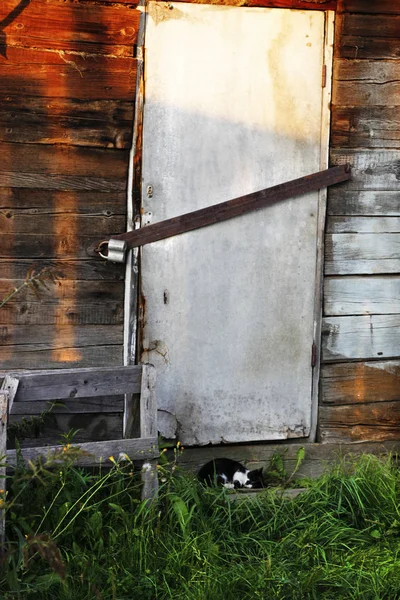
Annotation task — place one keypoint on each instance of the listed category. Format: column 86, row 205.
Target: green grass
column 86, row 536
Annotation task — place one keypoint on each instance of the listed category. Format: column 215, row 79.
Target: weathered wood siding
column 68, row 77
column 360, row 384
column 68, row 80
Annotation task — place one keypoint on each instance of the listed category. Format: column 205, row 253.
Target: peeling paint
column 389, row 367
column 157, row 347
column 170, row 425
column 164, row 11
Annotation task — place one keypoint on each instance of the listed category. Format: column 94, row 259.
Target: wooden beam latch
column 116, row 247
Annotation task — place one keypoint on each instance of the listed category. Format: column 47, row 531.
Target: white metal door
column 233, row 104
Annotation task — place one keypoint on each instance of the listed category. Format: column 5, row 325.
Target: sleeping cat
column 231, row 474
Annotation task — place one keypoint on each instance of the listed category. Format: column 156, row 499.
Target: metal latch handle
column 116, row 250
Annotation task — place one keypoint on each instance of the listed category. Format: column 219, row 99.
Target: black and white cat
column 231, row 474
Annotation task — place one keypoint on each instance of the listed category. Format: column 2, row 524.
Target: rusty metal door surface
column 233, row 104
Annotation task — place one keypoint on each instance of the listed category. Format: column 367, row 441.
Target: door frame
column 322, row 205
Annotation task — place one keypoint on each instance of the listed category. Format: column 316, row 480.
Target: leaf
column 96, row 522
column 117, row 508
column 45, row 582
column 375, row 534
column 181, row 511
column 163, row 460
column 300, row 456
column 136, row 532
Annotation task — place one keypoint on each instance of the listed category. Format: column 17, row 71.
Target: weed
column 88, row 536
column 35, row 280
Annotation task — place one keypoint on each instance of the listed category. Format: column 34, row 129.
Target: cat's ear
column 256, row 477
column 257, row 472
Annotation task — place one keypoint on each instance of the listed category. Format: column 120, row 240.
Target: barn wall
column 68, row 80
column 68, row 75
column 360, row 385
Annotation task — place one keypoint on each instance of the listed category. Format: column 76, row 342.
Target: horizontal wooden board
column 358, row 254
column 367, row 48
column 77, row 383
column 361, row 266
column 90, row 428
column 63, row 160
column 374, row 421
column 370, row 169
column 376, row 26
column 360, row 337
column 366, row 127
column 66, row 302
column 362, row 382
column 299, row 4
column 48, row 338
column 20, row 224
column 97, row 123
column 357, row 434
column 101, row 111
column 62, row 167
column 24, row 357
column 370, row 6
column 131, row 3
column 366, row 83
column 102, row 404
column 368, row 36
column 49, row 246
column 363, row 225
column 90, row 270
column 51, row 202
column 54, row 182
column 318, row 457
column 64, row 290
column 361, row 295
column 65, row 312
column 95, row 454
column 81, row 27
column 348, row 202
column 31, row 72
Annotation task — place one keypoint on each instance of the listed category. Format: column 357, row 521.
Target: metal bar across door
column 118, row 244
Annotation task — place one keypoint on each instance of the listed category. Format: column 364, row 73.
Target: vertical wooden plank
column 7, row 393
column 133, row 202
column 3, row 454
column 131, row 424
column 148, row 403
column 148, row 428
column 10, row 385
column 322, row 208
column 131, row 405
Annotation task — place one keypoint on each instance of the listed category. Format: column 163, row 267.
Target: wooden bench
column 65, row 384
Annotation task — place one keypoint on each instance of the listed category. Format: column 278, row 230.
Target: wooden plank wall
column 68, row 76
column 360, row 386
column 68, row 80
